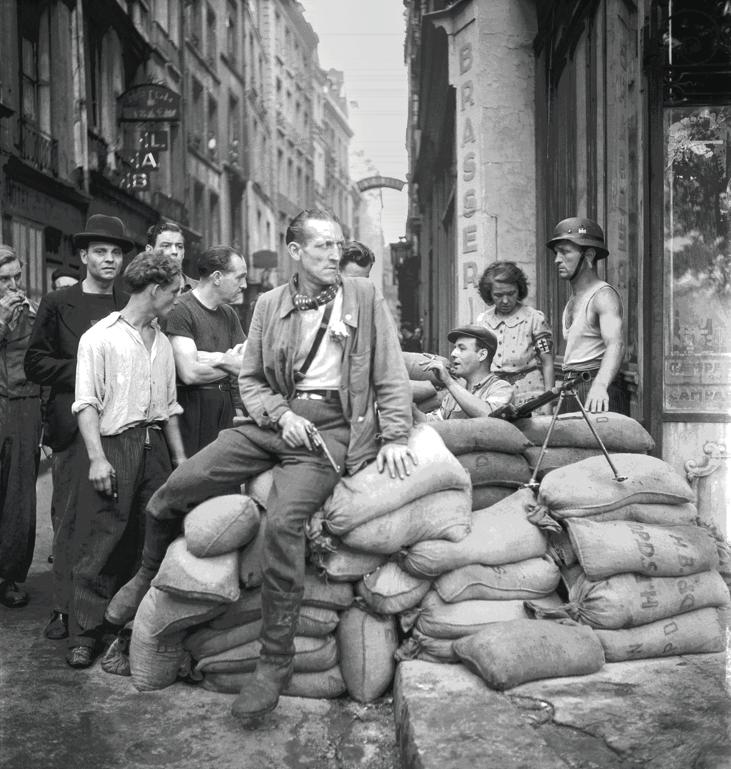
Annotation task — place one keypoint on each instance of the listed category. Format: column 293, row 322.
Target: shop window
column 27, row 240
column 697, row 208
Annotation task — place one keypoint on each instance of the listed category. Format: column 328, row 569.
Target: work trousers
column 108, row 536
column 20, row 432
column 303, row 480
column 206, row 411
column 68, row 467
column 582, row 390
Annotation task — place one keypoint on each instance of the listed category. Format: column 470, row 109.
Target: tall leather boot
column 261, row 689
column 158, row 535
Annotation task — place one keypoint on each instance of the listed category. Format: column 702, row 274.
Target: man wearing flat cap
column 472, row 390
column 63, row 316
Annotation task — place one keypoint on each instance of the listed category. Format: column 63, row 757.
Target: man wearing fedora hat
column 480, row 392
column 63, row 316
column 592, row 319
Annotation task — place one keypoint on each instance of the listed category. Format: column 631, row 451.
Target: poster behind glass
column 698, row 260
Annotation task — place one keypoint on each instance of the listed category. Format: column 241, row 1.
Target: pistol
column 319, row 447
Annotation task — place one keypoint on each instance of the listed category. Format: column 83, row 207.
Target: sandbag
column 391, row 590
column 369, row 494
column 556, row 457
column 500, row 534
column 487, row 496
column 220, row 525
column 588, row 487
column 438, row 619
column 464, row 436
column 310, row 654
column 326, row 684
column 250, row 557
column 208, row 641
column 258, row 488
column 156, row 652
column 511, row 581
column 317, row 593
column 615, row 547
column 698, row 632
column 560, row 549
column 427, row 649
column 494, row 468
column 346, row 564
column 629, row 600
column 440, row 515
column 367, row 643
column 506, row 654
column 415, row 362
column 617, row 431
column 661, row 515
column 183, row 574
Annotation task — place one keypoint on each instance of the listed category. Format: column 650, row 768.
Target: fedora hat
column 103, row 229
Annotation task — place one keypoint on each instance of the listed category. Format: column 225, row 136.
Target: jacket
column 373, row 368
column 62, row 318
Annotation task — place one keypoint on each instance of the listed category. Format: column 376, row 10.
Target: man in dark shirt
column 63, row 316
column 207, row 341
column 167, row 239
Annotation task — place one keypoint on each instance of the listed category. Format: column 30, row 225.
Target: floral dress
column 521, row 337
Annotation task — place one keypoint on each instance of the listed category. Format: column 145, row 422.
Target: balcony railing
column 38, row 148
column 169, row 207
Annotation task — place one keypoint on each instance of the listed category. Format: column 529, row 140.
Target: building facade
column 214, row 114
column 523, row 113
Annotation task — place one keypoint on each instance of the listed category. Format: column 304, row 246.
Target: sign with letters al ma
column 374, row 182
column 147, row 102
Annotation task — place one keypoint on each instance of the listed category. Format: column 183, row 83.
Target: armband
column 543, row 344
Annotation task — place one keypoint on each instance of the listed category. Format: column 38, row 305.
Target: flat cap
column 485, row 336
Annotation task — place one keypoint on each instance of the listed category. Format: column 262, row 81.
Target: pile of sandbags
column 492, row 452
column 572, row 440
column 636, row 565
column 483, row 579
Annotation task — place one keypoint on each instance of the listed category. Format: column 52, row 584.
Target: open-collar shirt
column 126, row 383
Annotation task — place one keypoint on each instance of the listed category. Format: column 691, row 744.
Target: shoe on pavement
column 80, row 657
column 116, row 658
column 11, row 595
column 57, row 627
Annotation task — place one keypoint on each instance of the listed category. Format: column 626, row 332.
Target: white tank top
column 585, row 347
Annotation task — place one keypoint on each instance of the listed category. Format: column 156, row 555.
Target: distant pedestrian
column 592, row 319
column 20, row 432
column 357, row 260
column 63, row 277
column 127, row 411
column 63, row 316
column 524, row 355
column 167, row 239
column 207, row 341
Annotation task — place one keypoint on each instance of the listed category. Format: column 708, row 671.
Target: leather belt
column 222, row 386
column 318, row 395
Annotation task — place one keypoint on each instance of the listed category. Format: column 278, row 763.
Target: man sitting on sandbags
column 321, row 350
column 472, row 390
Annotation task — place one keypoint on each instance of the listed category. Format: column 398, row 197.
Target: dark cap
column 64, row 272
column 582, row 232
column 484, row 335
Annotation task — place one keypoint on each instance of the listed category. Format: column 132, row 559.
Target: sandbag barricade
column 637, row 566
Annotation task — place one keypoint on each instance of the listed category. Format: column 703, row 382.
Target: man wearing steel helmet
column 592, row 318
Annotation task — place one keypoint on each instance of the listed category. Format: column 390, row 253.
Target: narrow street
column 53, row 717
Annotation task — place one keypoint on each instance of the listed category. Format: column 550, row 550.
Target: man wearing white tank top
column 592, row 319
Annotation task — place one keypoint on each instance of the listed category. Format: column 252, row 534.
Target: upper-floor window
column 211, row 42
column 194, row 22
column 232, row 32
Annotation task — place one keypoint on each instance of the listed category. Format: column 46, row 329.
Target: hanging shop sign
column 374, row 182
column 149, row 102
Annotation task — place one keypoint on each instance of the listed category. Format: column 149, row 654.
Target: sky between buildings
column 365, row 39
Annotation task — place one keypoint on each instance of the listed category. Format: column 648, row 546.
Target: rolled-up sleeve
column 89, row 375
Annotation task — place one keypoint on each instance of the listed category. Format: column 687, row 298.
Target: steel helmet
column 583, row 232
